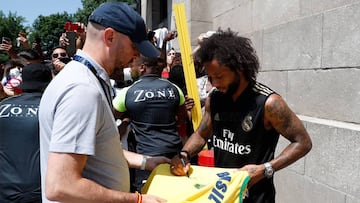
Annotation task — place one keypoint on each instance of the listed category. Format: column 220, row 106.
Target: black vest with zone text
column 152, row 104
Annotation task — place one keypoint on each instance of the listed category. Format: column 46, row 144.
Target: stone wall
column 310, row 54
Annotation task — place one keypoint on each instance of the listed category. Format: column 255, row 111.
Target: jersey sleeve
column 119, row 101
column 181, row 95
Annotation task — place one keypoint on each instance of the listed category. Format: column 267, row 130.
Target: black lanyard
column 103, row 84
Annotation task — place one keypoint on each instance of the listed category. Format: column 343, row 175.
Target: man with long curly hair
column 243, row 117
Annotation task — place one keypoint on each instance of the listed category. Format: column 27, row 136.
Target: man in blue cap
column 81, row 155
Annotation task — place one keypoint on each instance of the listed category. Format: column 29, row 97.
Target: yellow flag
column 188, row 63
column 204, row 184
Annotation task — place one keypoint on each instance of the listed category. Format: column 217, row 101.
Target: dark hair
column 37, row 39
column 58, row 47
column 176, row 76
column 150, row 35
column 230, row 50
column 49, row 53
column 12, row 63
column 29, row 54
column 156, row 64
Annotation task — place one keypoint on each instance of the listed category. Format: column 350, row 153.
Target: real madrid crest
column 247, row 124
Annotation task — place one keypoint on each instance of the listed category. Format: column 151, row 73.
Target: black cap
column 35, row 77
column 124, row 19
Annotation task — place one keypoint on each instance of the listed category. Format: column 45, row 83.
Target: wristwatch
column 269, row 171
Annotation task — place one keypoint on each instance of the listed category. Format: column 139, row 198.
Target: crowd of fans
column 32, row 57
column 59, row 56
column 91, row 131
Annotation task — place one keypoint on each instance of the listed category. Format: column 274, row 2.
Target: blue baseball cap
column 124, row 19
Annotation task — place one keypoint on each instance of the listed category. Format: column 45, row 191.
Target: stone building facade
column 310, row 53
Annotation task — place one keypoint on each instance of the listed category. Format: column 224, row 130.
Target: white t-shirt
column 205, row 88
column 75, row 117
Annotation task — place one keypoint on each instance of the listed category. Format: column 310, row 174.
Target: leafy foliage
column 10, row 26
column 89, row 5
column 47, row 28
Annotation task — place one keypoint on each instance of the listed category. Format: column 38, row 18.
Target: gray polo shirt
column 75, row 117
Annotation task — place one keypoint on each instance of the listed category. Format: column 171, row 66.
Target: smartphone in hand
column 6, row 40
column 71, row 47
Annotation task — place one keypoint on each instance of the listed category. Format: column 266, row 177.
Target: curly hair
column 230, row 50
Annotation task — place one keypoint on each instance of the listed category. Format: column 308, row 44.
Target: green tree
column 89, row 5
column 49, row 29
column 10, row 26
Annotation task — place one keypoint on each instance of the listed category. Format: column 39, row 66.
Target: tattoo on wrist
column 252, row 170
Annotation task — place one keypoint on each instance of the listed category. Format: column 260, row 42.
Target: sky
column 30, row 10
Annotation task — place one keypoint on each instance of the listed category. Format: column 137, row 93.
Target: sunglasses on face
column 61, row 54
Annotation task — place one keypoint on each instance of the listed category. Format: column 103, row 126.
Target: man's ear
column 109, row 35
column 142, row 68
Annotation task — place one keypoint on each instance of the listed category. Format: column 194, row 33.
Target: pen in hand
column 183, row 163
